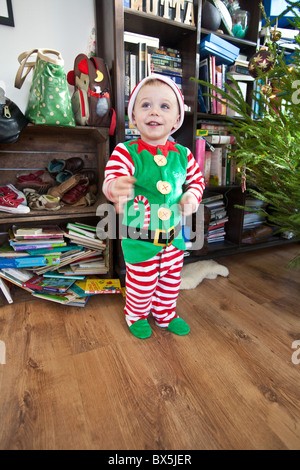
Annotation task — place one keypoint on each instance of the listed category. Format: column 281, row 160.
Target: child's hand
column 188, row 204
column 122, row 189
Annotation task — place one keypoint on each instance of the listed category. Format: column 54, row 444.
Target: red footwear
column 12, row 200
column 34, row 181
column 76, row 193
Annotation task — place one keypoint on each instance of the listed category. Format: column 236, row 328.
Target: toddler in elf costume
column 145, row 178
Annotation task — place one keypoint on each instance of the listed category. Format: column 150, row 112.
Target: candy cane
column 145, row 201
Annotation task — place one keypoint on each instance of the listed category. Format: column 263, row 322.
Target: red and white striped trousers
column 153, row 285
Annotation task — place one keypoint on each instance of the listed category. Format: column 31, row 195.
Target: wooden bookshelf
column 112, row 19
column 35, row 148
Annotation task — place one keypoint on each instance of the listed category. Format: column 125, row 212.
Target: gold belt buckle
column 171, row 233
column 156, row 237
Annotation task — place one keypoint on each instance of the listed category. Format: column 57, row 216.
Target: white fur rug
column 194, row 273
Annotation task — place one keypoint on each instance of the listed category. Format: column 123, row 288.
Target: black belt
column 158, row 237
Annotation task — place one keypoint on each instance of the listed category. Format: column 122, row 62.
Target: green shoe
column 141, row 329
column 179, row 327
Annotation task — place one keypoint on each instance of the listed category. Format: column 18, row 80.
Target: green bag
column 49, row 100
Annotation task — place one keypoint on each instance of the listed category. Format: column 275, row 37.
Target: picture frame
column 6, row 13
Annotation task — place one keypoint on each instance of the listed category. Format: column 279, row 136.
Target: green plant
column 268, row 144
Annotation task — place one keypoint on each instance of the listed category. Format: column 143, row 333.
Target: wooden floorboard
column 76, row 378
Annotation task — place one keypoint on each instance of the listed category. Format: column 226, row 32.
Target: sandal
column 41, row 202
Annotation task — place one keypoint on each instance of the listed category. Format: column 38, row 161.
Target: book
column 151, row 41
column 58, row 250
column 64, row 260
column 127, row 75
column 239, row 68
column 211, row 197
column 42, row 231
column 200, row 153
column 81, row 231
column 242, row 89
column 28, row 231
column 215, row 178
column 63, row 298
column 38, row 282
column 78, row 291
column 132, row 50
column 212, row 65
column 207, row 165
column 13, row 280
column 4, row 286
column 79, row 301
column 26, row 262
column 220, row 139
column 240, row 77
column 218, row 41
column 219, row 85
column 222, row 56
column 86, row 241
column 7, row 251
column 100, row 286
column 142, row 60
column 215, row 204
column 21, row 274
column 57, row 275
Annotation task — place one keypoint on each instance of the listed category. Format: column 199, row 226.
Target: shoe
column 37, row 181
column 76, row 193
column 40, row 202
column 141, row 329
column 12, row 200
column 73, row 164
column 90, row 174
column 88, row 200
column 178, row 326
column 59, row 191
column 63, row 176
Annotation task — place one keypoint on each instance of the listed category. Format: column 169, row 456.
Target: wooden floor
column 77, row 379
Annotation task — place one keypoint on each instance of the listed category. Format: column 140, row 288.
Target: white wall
column 63, row 25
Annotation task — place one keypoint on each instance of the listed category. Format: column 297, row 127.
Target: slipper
column 179, row 327
column 141, row 329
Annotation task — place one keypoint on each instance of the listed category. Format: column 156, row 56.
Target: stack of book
column 85, row 235
column 216, row 229
column 213, row 158
column 224, row 51
column 49, row 270
column 167, row 61
column 220, row 74
column 252, row 218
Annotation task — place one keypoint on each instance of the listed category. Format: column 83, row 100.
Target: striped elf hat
column 164, row 79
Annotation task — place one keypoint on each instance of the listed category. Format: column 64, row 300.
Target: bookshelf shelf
column 138, row 22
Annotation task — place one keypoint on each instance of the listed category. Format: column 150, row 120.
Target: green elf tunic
column 160, row 174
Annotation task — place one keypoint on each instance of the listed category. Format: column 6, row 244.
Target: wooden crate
column 35, row 148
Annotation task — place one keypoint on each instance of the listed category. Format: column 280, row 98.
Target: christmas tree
column 268, row 141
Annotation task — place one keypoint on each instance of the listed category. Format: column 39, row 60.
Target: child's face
column 156, row 112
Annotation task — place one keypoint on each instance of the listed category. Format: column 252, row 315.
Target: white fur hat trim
column 164, row 79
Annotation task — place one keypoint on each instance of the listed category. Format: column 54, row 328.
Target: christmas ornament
column 275, row 35
column 267, row 90
column 261, row 62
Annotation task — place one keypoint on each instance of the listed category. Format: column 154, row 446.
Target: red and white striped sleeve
column 119, row 164
column 194, row 178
